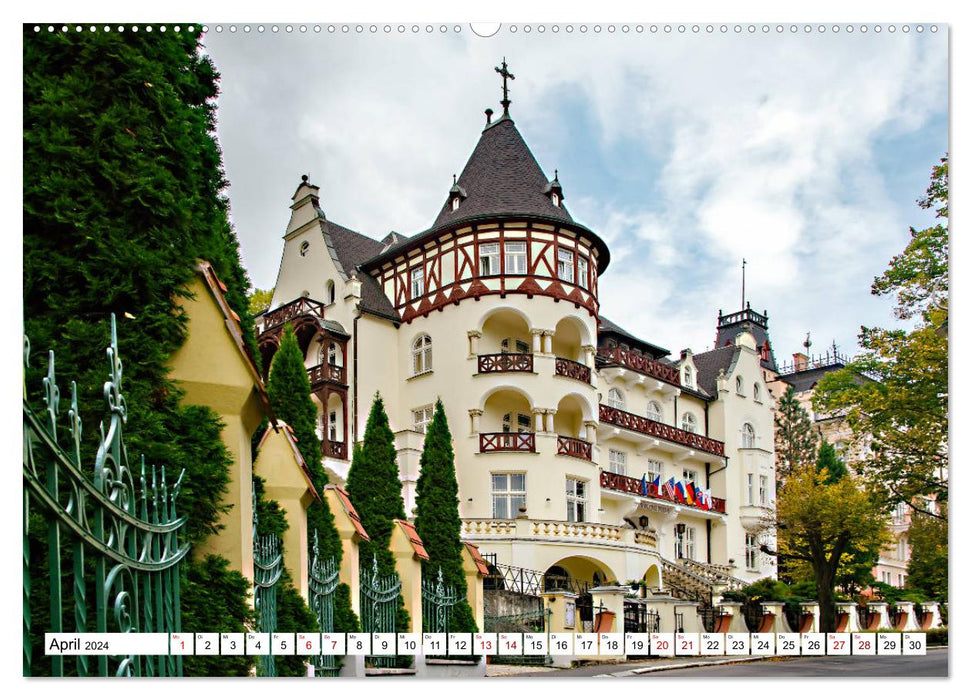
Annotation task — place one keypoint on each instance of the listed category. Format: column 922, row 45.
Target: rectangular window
column 521, row 346
column 900, row 580
column 332, row 426
column 655, row 469
column 751, row 552
column 515, row 257
column 618, row 462
column 689, row 476
column 417, row 282
column 422, row 417
column 689, row 543
column 576, row 500
column 763, row 491
column 517, row 423
column 749, row 483
column 508, row 495
column 582, row 266
column 488, row 259
column 564, row 264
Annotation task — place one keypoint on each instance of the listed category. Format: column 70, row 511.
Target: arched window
column 688, row 423
column 756, row 392
column 688, row 380
column 331, row 292
column 654, row 411
column 615, row 399
column 304, row 247
column 739, row 383
column 333, row 355
column 748, row 435
column 421, row 352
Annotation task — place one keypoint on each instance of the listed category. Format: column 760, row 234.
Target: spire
column 506, row 76
column 743, row 283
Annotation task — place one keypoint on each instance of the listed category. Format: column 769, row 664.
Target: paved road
column 934, row 664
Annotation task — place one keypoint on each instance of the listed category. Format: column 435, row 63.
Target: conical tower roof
column 502, row 177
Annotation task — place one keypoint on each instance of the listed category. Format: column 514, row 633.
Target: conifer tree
column 437, row 517
column 123, row 192
column 375, row 490
column 828, row 459
column 795, row 437
column 289, row 390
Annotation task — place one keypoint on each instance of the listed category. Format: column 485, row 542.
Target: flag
column 644, row 485
column 689, row 494
column 669, row 488
column 711, row 503
column 700, row 498
column 679, row 491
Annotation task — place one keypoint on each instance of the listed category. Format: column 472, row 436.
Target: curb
column 690, row 664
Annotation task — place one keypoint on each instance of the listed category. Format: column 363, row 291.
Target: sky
column 803, row 153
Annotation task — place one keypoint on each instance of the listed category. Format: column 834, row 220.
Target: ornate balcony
column 334, row 448
column 642, row 364
column 573, row 370
column 326, row 373
column 559, row 532
column 574, row 447
column 628, row 484
column 506, row 362
column 304, row 306
column 646, row 426
column 507, row 442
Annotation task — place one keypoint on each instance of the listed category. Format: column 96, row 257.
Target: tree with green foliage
column 289, row 390
column 259, row 300
column 795, row 436
column 437, row 518
column 927, row 568
column 828, row 459
column 818, row 522
column 903, row 412
column 375, row 490
column 123, row 192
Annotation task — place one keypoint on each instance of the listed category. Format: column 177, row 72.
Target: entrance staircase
column 697, row 581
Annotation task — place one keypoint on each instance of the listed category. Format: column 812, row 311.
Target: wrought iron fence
column 322, row 581
column 503, row 577
column 535, row 620
column 267, row 569
column 639, row 618
column 379, row 596
column 437, row 602
column 125, row 543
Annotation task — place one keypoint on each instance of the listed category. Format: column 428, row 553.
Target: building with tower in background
column 583, row 451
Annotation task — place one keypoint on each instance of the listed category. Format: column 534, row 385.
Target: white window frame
column 489, row 259
column 333, row 434
column 555, row 198
column 615, row 399
column 417, row 276
column 507, row 497
column 576, row 500
column 751, row 551
column 689, row 423
column 757, row 393
column 689, row 476
column 654, row 411
column 763, row 490
column 455, row 202
column 564, row 264
column 421, row 417
column 688, row 546
column 421, row 354
column 618, row 462
column 655, row 468
column 583, row 272
column 750, row 482
column 748, row 435
column 515, row 254
column 688, row 377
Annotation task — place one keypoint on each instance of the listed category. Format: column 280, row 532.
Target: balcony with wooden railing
column 507, row 442
column 642, row 364
column 572, row 369
column 574, row 447
column 506, row 362
column 304, row 306
column 334, row 448
column 663, row 431
column 326, row 373
column 628, row 484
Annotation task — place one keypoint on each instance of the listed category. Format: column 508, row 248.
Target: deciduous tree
column 927, row 568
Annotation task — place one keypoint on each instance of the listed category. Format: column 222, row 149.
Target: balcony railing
column 574, row 447
column 304, row 306
column 319, row 374
column 628, row 484
column 507, row 442
column 642, row 364
column 572, row 369
column 640, row 424
column 334, row 448
column 506, row 362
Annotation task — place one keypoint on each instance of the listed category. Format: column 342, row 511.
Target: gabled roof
column 481, row 564
column 607, row 326
column 349, row 509
column 412, row 534
column 710, row 363
column 298, row 457
column 351, row 249
column 502, row 177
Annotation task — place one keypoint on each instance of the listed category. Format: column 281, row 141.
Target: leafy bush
column 937, row 637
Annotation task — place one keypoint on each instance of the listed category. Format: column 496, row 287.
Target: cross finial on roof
column 506, row 76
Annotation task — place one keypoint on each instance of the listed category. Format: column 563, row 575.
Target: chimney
column 799, row 361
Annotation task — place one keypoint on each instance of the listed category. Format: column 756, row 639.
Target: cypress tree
column 828, row 459
column 795, row 437
column 289, row 390
column 437, row 517
column 123, row 191
column 375, row 491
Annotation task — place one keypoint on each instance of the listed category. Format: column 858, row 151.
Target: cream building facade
column 566, row 427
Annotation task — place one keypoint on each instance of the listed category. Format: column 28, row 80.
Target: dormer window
column 455, row 202
column 688, row 379
column 555, row 199
column 417, row 282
